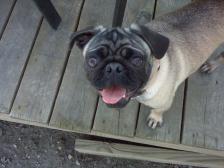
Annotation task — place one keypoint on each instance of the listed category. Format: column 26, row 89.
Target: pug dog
column 148, row 62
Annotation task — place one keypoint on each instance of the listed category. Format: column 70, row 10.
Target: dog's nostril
column 108, row 69
column 119, row 68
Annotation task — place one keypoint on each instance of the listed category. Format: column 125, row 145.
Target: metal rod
column 119, row 12
column 49, row 12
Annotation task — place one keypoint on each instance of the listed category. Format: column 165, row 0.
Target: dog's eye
column 92, row 62
column 103, row 51
column 137, row 61
column 126, row 52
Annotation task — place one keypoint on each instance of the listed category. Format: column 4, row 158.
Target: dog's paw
column 209, row 66
column 155, row 119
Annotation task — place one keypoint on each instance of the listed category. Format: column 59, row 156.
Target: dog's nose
column 114, row 68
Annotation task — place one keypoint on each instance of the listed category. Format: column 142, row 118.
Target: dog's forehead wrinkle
column 117, row 38
column 122, row 42
column 137, row 49
column 113, row 31
column 114, row 35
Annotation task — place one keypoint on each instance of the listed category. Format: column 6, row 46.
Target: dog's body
column 194, row 32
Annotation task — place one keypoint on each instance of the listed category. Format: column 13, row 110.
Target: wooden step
column 137, row 152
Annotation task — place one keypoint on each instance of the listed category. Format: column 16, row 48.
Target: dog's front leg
column 155, row 118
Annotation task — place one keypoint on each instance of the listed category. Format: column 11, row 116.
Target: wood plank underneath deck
column 204, row 114
column 15, row 47
column 77, row 100
column 121, row 122
column 171, row 128
column 41, row 79
column 148, row 153
column 6, row 117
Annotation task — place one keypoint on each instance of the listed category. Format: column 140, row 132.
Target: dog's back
column 196, row 29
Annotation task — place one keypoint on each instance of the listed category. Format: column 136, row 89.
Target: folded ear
column 82, row 37
column 158, row 43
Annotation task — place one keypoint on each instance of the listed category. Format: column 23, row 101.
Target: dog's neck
column 157, row 79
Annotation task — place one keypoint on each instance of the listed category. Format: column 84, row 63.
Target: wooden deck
column 43, row 84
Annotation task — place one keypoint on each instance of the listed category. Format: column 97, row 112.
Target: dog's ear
column 157, row 42
column 82, row 37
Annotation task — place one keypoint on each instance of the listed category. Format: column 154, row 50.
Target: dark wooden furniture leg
column 119, row 12
column 49, row 12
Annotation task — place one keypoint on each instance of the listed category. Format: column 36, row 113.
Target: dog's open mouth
column 117, row 96
column 113, row 95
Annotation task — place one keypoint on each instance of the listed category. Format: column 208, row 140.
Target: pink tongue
column 113, row 95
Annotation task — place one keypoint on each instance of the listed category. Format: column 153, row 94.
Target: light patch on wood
column 15, row 47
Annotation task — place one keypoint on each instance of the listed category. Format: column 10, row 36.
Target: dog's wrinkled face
column 118, row 62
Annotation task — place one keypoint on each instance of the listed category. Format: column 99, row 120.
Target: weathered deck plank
column 170, row 131
column 5, row 11
column 121, row 122
column 116, row 122
column 204, row 114
column 76, row 102
column 45, row 67
column 15, row 46
column 148, row 153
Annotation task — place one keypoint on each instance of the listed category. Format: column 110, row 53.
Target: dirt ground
column 23, row 146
